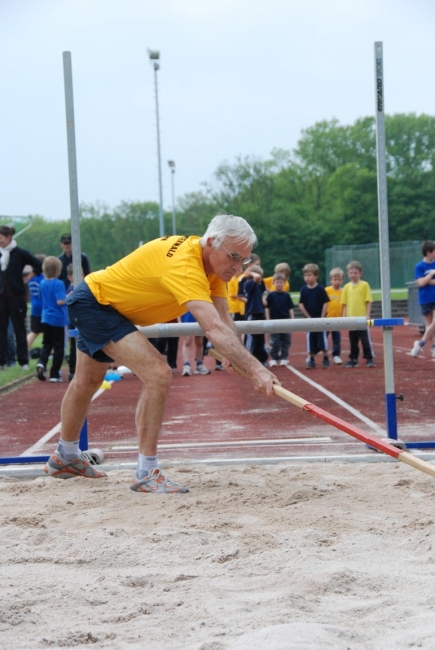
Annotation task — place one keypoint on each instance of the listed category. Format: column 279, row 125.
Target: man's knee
column 162, row 373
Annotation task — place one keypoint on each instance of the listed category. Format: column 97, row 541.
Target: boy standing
column 357, row 300
column 335, row 309
column 253, row 289
column 53, row 319
column 279, row 305
column 313, row 302
column 425, row 278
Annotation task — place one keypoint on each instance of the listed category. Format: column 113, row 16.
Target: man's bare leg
column 88, row 377
column 137, row 353
column 151, row 368
column 66, row 461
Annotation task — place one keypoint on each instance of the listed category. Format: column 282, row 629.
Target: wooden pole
column 376, row 443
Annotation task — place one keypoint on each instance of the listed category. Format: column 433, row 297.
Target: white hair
column 227, row 225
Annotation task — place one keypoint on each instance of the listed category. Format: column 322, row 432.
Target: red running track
column 206, row 413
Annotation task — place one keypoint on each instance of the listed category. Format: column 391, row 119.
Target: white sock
column 69, row 450
column 146, row 464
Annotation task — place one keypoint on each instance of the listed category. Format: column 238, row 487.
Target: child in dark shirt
column 279, row 305
column 253, row 290
column 313, row 303
column 72, row 361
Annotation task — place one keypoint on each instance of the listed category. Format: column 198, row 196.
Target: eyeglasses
column 236, row 258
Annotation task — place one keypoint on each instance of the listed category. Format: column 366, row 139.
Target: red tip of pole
column 385, row 447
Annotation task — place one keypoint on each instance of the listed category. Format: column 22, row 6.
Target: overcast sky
column 237, row 77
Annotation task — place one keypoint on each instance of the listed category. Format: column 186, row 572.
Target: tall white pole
column 161, row 220
column 171, row 164
column 72, row 167
column 384, row 242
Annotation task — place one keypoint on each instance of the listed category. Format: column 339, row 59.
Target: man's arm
column 221, row 305
column 222, row 334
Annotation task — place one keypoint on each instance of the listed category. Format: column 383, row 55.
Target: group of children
column 250, row 297
column 354, row 300
column 257, row 298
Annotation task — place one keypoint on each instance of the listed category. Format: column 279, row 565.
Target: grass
column 10, row 374
column 396, row 294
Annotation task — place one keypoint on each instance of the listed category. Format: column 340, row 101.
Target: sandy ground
column 279, row 557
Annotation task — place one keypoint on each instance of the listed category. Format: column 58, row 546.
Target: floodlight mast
column 154, row 56
column 72, row 168
column 171, row 164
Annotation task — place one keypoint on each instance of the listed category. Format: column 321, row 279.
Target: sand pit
column 281, row 557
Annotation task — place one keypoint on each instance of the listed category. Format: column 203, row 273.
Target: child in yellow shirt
column 281, row 267
column 334, row 309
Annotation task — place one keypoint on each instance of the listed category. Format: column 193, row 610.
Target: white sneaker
column 416, row 349
column 201, row 369
column 337, row 360
column 283, row 362
column 187, row 370
column 273, row 363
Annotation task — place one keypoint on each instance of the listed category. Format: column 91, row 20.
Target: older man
column 156, row 283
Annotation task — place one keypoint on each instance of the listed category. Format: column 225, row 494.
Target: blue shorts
column 427, row 308
column 97, row 324
column 188, row 318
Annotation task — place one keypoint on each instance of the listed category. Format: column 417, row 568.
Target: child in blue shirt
column 53, row 319
column 425, row 278
column 34, row 285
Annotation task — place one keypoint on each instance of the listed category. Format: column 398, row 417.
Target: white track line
column 56, row 429
column 224, row 443
column 339, row 401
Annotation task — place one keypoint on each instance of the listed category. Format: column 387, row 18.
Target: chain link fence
column 403, row 258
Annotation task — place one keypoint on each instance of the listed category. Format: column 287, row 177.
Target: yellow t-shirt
column 235, row 306
column 334, row 308
column 152, row 284
column 355, row 297
column 268, row 283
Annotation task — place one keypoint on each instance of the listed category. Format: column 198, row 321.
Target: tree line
column 300, row 202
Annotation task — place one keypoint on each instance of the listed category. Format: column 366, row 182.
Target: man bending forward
column 155, row 284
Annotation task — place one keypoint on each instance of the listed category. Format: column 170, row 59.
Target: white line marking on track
column 229, row 443
column 41, row 442
column 339, row 401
